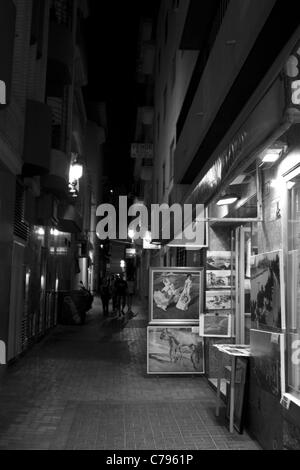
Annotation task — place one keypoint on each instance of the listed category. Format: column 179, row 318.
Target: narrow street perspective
column 87, row 388
column 150, row 227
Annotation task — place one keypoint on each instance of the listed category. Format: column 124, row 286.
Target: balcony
column 7, row 36
column 60, row 54
column 37, row 139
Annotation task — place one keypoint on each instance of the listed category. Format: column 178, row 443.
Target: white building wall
column 176, row 90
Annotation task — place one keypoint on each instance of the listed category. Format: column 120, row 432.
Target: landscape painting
column 218, row 300
column 174, row 350
column 267, row 356
column 215, row 324
column 267, row 302
column 218, row 279
column 221, row 260
column 176, row 295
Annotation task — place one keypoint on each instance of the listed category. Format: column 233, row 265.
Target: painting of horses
column 174, row 350
column 267, row 302
column 176, row 295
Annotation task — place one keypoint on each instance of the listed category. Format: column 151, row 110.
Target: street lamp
column 131, row 234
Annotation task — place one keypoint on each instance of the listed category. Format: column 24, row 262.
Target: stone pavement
column 86, row 387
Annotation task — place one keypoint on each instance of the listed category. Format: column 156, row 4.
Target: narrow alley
column 86, row 387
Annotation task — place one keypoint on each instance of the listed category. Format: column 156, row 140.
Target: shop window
column 293, row 290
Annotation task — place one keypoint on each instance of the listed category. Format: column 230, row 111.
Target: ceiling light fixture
column 227, row 199
column 272, row 155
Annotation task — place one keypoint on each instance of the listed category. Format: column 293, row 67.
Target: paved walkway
column 86, row 387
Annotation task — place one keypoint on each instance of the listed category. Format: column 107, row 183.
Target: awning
column 266, row 123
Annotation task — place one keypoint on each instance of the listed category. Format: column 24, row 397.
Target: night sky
column 111, row 40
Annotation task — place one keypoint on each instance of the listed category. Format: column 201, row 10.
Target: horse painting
column 182, row 347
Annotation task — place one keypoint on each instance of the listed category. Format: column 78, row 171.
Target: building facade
column 47, row 223
column 226, row 135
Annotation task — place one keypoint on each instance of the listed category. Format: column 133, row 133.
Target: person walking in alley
column 121, row 291
column 105, row 294
column 113, row 284
column 131, row 288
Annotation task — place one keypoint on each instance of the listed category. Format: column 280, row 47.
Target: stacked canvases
column 174, row 345
column 219, row 295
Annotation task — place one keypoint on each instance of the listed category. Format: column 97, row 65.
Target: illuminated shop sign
column 292, row 77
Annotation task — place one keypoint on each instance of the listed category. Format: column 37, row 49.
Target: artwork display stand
column 174, row 345
column 234, row 351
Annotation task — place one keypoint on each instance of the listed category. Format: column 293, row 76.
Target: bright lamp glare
column 290, row 184
column 271, row 157
column 226, row 200
column 131, row 233
column 76, row 171
column 148, row 236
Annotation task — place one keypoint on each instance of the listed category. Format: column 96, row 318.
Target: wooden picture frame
column 240, row 389
column 175, row 295
column 174, row 349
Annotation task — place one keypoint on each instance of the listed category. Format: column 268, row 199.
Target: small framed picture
column 219, row 260
column 176, row 295
column 215, row 324
column 218, row 300
column 218, row 279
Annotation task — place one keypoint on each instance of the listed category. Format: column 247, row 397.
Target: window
column 165, row 102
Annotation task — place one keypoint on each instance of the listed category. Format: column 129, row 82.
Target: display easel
column 234, row 351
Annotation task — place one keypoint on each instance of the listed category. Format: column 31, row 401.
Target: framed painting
column 174, row 350
column 218, row 279
column 215, row 324
column 218, row 300
column 267, row 299
column 219, row 260
column 267, row 357
column 241, row 372
column 175, row 295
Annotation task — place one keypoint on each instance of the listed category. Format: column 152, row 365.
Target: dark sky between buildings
column 111, row 42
